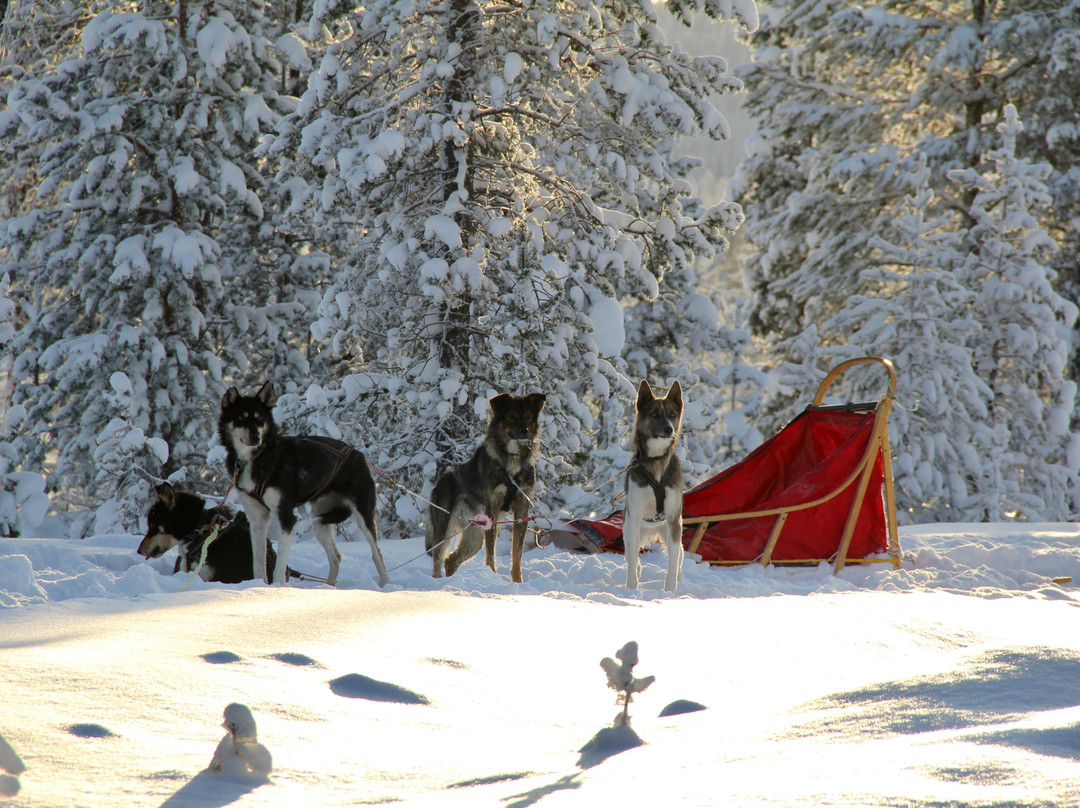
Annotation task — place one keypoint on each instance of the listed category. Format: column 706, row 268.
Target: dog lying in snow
column 182, row 519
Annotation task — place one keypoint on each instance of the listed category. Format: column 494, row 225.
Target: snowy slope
column 955, row 680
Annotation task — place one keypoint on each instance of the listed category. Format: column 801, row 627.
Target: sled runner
column 821, row 489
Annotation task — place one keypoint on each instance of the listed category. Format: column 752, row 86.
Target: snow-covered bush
column 621, row 679
column 620, row 736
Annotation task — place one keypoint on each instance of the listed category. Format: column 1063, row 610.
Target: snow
column 608, row 328
column 953, row 680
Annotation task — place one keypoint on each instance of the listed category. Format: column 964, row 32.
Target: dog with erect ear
column 274, row 474
column 498, row 479
column 182, row 519
column 654, row 483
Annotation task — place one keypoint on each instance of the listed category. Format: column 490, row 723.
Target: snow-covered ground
column 953, row 681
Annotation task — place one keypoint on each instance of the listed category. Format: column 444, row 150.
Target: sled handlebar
column 837, row 371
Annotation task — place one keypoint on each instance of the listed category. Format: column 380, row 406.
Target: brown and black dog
column 498, row 479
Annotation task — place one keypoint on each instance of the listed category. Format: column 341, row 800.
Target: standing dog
column 498, row 478
column 274, row 474
column 181, row 519
column 654, row 483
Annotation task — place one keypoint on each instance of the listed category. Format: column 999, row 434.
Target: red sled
column 821, row 489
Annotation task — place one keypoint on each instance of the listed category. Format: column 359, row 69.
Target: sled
column 821, row 489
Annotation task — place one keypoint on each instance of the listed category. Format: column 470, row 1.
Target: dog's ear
column 167, row 494
column 499, row 401
column 266, row 394
column 674, row 393
column 536, row 401
column 644, row 394
column 230, row 397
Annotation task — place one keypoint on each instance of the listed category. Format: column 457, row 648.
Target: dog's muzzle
column 155, row 545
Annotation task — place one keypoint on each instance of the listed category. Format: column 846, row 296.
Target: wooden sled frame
column 878, row 444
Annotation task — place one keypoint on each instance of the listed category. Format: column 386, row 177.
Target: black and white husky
column 182, row 519
column 274, row 474
column 654, row 483
column 497, row 479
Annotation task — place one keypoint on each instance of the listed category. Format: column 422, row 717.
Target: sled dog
column 181, row 519
column 274, row 474
column 654, row 483
column 496, row 480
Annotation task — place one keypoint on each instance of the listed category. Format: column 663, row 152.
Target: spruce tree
column 850, row 99
column 131, row 255
column 917, row 313
column 1023, row 351
column 493, row 182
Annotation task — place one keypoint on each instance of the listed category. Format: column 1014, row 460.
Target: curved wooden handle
column 837, row 371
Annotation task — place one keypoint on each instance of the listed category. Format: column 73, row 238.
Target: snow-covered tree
column 917, row 313
column 1023, row 351
column 980, row 339
column 851, row 98
column 740, row 384
column 23, row 501
column 493, row 181
column 140, row 250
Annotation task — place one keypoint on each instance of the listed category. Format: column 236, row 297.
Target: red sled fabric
column 804, row 462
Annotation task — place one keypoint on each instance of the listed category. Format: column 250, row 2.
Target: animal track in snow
column 357, row 686
column 221, row 657
column 299, row 660
column 90, row 731
column 681, row 707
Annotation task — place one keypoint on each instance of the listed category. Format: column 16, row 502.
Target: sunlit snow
column 954, row 680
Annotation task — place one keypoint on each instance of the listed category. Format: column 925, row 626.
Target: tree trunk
column 463, row 28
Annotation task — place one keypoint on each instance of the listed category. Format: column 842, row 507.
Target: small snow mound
column 17, row 582
column 607, row 742
column 239, row 752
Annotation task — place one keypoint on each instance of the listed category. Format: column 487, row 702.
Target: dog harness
column 339, row 451
column 638, row 467
column 512, row 482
